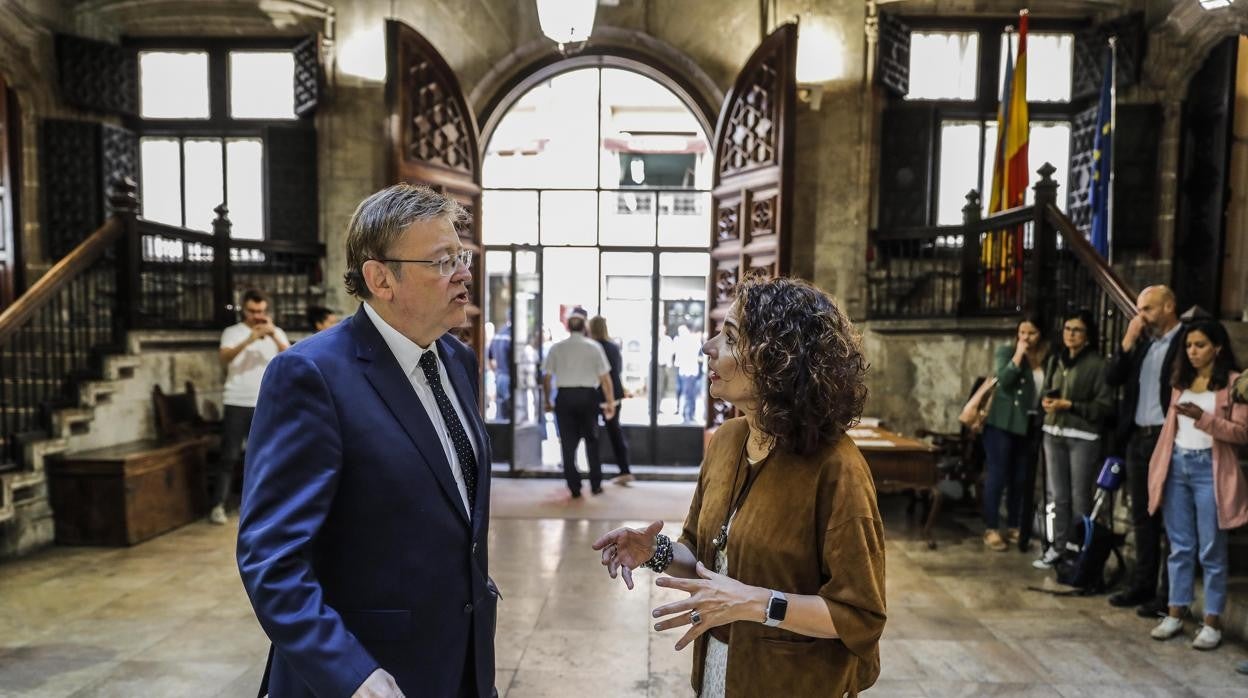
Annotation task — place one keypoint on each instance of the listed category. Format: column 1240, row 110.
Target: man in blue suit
column 365, row 514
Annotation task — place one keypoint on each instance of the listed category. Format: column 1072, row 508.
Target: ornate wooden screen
column 752, row 192
column 433, row 138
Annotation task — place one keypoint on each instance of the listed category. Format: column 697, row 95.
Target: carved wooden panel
column 97, row 75
column 433, row 138
column 752, row 191
column 892, row 65
column 308, row 77
column 1089, row 55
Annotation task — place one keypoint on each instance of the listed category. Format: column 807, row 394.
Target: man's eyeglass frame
column 446, row 265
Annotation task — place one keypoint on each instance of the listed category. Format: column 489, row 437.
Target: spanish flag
column 1003, row 249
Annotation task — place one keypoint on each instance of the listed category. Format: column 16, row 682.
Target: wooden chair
column 177, row 416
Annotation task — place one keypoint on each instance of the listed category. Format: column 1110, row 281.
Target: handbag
column 975, row 411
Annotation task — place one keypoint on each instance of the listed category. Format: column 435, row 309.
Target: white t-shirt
column 576, row 362
column 1189, row 436
column 242, row 376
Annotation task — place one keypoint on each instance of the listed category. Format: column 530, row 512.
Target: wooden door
column 752, row 192
column 433, row 140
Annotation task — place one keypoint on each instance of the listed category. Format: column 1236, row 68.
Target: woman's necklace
column 752, row 469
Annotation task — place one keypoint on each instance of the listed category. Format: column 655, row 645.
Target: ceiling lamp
column 1214, row 4
column 567, row 22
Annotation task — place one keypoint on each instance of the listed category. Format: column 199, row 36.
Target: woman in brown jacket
column 782, row 552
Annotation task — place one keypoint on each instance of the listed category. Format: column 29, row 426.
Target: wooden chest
column 129, row 493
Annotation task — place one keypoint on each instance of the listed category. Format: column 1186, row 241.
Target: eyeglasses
column 446, row 265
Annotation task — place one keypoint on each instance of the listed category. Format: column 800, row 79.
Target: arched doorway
column 597, row 175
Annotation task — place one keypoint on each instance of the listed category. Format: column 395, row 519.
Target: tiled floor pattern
column 169, row 618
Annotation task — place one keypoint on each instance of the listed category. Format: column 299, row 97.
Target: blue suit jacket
column 353, row 542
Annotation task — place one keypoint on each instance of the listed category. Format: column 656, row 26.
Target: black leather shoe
column 576, row 494
column 596, row 490
column 1154, row 608
column 1130, row 597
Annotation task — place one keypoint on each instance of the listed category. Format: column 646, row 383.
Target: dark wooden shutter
column 1082, row 143
column 907, row 151
column 308, row 76
column 290, row 176
column 434, row 139
column 79, row 161
column 753, row 186
column 1089, row 55
column 1135, row 176
column 892, row 64
column 97, row 75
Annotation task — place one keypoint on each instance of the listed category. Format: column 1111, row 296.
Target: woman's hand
column 1055, row 404
column 1190, row 409
column 626, row 549
column 718, row 600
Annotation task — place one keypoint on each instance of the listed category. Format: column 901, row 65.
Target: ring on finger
column 694, row 617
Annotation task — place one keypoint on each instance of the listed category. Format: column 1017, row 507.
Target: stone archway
column 492, row 89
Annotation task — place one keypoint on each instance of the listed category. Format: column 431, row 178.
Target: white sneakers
column 1047, row 560
column 1207, row 639
column 1167, row 628
column 217, row 516
column 623, row 480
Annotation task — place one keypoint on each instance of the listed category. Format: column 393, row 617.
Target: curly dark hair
column 1223, row 363
column 805, row 360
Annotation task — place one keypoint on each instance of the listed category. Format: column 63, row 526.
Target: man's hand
column 379, row 684
column 1055, row 404
column 262, row 329
column 1135, row 328
column 608, row 410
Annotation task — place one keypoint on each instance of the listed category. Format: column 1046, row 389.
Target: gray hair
column 381, row 218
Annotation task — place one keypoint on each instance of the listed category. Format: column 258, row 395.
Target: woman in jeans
column 1194, row 476
column 1076, row 400
column 1010, row 430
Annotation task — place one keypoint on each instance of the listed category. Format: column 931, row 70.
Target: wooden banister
column 1118, row 291
column 59, row 276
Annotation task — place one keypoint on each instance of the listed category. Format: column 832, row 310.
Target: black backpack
column 1083, row 564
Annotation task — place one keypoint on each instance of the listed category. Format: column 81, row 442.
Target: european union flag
column 1102, row 150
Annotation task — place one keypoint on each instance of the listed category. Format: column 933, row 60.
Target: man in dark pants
column 1142, row 367
column 579, row 367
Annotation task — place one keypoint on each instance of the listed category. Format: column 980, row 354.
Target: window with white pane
column 958, row 69
column 204, row 107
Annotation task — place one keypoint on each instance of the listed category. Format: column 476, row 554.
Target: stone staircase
column 25, row 514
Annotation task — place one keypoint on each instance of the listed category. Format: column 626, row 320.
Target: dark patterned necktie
column 459, row 438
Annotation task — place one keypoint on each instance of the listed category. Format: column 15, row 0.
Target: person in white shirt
column 246, row 349
column 687, row 349
column 579, row 367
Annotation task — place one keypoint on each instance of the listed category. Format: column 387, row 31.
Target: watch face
column 778, row 608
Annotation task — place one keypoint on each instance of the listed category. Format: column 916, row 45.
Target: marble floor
column 169, row 617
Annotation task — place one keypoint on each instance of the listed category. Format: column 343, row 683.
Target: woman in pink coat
column 1194, row 476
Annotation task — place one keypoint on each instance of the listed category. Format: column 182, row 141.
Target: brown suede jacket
column 809, row 525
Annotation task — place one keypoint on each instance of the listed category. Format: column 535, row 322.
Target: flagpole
column 1113, row 148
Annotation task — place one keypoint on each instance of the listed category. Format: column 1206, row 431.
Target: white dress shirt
column 577, row 362
column 408, row 354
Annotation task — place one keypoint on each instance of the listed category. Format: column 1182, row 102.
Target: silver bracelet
column 663, row 554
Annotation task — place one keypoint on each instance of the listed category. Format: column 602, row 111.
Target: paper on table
column 868, row 421
column 860, row 433
column 882, row 443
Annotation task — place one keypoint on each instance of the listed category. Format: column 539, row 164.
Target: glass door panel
column 682, row 326
column 627, row 301
column 498, row 337
column 528, row 417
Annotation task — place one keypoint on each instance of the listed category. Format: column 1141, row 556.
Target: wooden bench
column 126, row 494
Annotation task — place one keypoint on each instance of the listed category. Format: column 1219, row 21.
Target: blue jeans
column 1007, row 455
column 1191, row 515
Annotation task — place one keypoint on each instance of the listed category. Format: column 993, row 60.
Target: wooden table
column 899, row 463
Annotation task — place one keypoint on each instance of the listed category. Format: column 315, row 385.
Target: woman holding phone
column 1194, row 476
column 1076, row 402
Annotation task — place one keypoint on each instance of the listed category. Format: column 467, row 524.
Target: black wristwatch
column 777, row 607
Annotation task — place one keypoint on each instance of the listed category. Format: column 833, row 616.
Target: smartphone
column 1053, row 393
